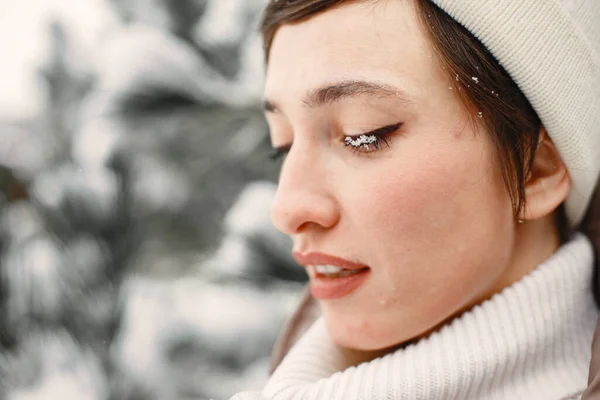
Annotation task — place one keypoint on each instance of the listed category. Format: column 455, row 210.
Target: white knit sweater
column 531, row 341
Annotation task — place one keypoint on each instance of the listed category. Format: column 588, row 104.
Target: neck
column 535, row 242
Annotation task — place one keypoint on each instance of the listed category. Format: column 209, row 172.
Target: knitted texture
column 551, row 49
column 531, row 341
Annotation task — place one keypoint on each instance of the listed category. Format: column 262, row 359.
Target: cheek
column 433, row 231
column 436, row 193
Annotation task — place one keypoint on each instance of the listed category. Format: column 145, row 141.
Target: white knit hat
column 551, row 49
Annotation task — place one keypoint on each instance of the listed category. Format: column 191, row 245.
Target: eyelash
column 374, row 138
column 279, row 152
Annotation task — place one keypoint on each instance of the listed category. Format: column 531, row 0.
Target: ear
column 548, row 182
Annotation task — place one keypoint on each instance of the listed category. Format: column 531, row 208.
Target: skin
column 430, row 214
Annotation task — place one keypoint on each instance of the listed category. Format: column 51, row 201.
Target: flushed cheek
column 433, row 186
column 428, row 229
column 418, row 200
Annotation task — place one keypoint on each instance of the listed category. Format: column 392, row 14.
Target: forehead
column 373, row 40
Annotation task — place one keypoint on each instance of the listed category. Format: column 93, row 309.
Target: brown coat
column 308, row 311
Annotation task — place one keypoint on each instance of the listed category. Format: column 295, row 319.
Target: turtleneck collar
column 531, row 341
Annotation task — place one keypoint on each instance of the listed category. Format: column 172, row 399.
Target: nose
column 304, row 197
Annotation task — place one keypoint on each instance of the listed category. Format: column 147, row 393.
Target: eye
column 371, row 141
column 279, row 152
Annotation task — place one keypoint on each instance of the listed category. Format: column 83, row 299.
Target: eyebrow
column 346, row 89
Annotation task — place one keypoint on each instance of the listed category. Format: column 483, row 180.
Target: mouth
column 332, row 277
column 332, row 271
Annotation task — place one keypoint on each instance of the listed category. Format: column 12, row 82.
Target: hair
column 482, row 85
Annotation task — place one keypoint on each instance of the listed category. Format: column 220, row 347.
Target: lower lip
column 323, row 288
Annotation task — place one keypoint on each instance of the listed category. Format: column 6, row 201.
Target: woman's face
column 428, row 212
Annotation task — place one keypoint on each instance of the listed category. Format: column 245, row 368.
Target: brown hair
column 483, row 86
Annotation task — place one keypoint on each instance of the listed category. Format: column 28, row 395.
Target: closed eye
column 279, row 152
column 371, row 141
column 364, row 142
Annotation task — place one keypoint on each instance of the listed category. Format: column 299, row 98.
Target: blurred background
column 137, row 257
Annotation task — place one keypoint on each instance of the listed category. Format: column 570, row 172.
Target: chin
column 354, row 344
column 359, row 336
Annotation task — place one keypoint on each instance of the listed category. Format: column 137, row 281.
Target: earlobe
column 548, row 182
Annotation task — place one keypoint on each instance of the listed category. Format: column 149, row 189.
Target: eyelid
column 379, row 131
column 371, row 141
column 280, row 151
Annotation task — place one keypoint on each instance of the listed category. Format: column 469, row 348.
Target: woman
column 434, row 183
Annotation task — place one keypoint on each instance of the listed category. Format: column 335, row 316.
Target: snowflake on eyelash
column 362, row 140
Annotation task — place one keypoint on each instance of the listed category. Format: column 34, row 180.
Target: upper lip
column 306, row 259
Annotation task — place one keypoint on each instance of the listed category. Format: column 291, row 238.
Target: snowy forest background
column 137, row 258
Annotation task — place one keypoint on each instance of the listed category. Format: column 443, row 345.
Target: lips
column 325, row 259
column 327, row 287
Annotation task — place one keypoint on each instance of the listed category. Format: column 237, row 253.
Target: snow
column 22, row 93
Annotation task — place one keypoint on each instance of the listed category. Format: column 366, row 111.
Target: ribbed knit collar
column 531, row 341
